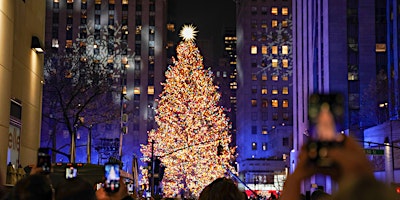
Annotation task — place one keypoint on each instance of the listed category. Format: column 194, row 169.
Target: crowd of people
column 349, row 167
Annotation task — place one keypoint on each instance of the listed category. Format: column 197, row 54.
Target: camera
column 323, row 134
column 112, row 176
column 44, row 160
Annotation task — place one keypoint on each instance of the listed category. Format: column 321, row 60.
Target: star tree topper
column 188, row 32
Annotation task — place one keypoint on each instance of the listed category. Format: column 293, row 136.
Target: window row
column 274, row 77
column 284, row 49
column 275, row 90
column 264, row 116
column 274, row 103
column 274, row 10
column 264, row 145
column 264, row 24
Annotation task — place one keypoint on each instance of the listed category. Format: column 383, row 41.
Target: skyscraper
column 264, row 95
column 144, row 30
column 339, row 47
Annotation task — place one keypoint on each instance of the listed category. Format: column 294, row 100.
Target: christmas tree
column 192, row 137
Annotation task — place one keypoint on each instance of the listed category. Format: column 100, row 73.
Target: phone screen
column 44, row 161
column 328, row 104
column 112, row 176
column 130, row 188
column 71, row 172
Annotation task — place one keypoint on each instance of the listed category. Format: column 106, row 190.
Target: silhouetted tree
column 86, row 81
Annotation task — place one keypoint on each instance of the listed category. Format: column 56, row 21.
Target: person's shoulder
column 366, row 188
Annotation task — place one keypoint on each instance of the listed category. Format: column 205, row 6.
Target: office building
column 339, row 47
column 144, row 30
column 264, row 96
column 21, row 78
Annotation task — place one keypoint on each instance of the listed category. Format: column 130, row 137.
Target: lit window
column 264, row 103
column 264, row 49
column 284, row 49
column 274, row 23
column 285, row 11
column 274, row 103
column 97, row 2
column 264, row 90
column 274, row 10
column 274, row 49
column 70, row 1
column 254, row 145
column 285, row 90
column 274, row 77
column 284, row 23
column 136, row 90
column 264, row 24
column 264, row 77
column 274, row 90
column 233, row 85
column 285, row 103
column 56, row 1
column 68, row 44
column 253, row 102
column 54, row 43
column 171, row 27
column 285, row 63
column 254, row 49
column 125, row 1
column 274, row 62
column 285, row 78
column 264, row 130
column 352, row 76
column 380, row 48
column 254, row 77
column 150, row 89
column 264, row 146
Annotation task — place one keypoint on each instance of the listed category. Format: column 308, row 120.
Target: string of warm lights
column 191, row 125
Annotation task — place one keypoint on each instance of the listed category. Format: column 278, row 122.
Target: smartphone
column 326, row 120
column 112, row 176
column 71, row 172
column 44, row 160
column 130, row 188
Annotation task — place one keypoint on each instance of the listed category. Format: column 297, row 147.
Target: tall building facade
column 264, row 96
column 144, row 30
column 21, row 78
column 339, row 47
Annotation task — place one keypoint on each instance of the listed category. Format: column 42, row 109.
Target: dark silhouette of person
column 33, row 187
column 75, row 188
column 222, row 189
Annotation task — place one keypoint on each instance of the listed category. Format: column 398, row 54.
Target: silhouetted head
column 33, row 187
column 75, row 188
column 221, row 189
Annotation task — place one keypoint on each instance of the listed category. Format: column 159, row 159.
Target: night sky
column 210, row 17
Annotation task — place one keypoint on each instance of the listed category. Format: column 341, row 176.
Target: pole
column 152, row 168
column 73, row 145
column 89, row 146
column 121, row 134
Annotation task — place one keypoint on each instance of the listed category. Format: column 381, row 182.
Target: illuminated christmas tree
column 192, row 136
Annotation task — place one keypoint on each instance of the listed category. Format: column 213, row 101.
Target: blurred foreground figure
column 33, row 187
column 350, row 168
column 221, row 189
